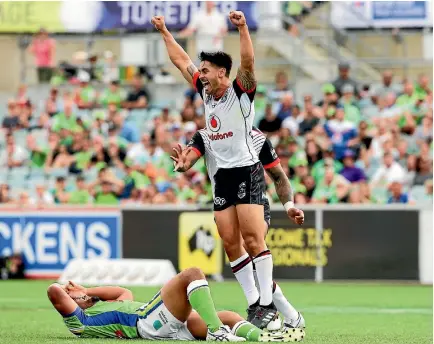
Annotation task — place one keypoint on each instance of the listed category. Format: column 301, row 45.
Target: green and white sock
column 246, row 330
column 199, row 295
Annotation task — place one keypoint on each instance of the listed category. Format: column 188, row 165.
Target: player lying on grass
column 241, row 262
column 110, row 312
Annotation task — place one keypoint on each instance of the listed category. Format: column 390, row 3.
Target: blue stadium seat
column 58, row 172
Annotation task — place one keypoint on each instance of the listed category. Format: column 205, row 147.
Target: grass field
column 334, row 313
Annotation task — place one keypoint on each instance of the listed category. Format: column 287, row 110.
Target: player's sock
column 264, row 272
column 246, row 330
column 282, row 304
column 199, row 295
column 243, row 271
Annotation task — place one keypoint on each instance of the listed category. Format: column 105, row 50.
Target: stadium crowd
column 357, row 144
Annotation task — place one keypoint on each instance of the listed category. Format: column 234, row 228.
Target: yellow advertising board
column 199, row 243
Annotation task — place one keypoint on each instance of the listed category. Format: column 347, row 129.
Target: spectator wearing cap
column 13, row 155
column 138, row 97
column 43, row 49
column 85, row 95
column 12, row 120
column 332, row 188
column 270, row 124
column 329, row 96
column 387, row 85
column 112, row 95
column 340, row 132
column 189, row 130
column 348, row 101
column 177, row 133
column 343, row 78
column 398, row 196
column 352, row 173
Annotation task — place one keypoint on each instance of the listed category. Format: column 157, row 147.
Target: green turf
column 335, row 313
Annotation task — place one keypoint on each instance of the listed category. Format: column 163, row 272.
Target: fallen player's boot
column 223, row 334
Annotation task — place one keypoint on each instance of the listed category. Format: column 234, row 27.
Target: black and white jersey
column 200, row 143
column 229, row 121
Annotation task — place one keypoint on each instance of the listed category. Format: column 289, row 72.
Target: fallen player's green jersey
column 114, row 319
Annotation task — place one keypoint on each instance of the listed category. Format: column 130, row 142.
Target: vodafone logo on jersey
column 214, row 123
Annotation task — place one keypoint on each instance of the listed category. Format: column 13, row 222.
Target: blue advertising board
column 136, row 15
column 48, row 240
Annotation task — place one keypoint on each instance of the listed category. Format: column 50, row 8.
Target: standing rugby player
column 239, row 181
column 243, row 267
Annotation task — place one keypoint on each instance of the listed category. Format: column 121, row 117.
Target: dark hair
column 218, row 58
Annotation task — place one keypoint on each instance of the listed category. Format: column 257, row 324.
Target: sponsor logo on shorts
column 163, row 317
column 219, row 201
column 242, row 190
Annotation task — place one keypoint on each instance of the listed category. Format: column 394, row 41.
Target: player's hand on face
column 72, row 287
column 296, row 215
column 237, row 18
column 158, row 22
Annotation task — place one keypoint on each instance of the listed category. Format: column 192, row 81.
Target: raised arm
column 246, row 74
column 177, row 55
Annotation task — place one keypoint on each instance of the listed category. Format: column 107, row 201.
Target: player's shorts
column 160, row 324
column 239, row 185
column 267, row 212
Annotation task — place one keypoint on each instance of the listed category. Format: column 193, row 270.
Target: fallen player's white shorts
column 161, row 325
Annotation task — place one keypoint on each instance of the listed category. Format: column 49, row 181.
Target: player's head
column 215, row 67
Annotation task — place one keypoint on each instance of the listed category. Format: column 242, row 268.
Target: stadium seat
column 20, row 137
column 36, row 172
column 4, row 171
column 58, row 172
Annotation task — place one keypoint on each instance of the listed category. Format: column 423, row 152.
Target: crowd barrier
column 336, row 242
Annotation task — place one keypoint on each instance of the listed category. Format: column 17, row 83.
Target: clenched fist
column 158, row 22
column 237, row 18
column 296, row 215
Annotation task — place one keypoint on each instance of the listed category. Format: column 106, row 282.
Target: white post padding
column 126, row 272
column 426, row 246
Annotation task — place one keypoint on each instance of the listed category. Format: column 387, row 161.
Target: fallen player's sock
column 199, row 295
column 247, row 330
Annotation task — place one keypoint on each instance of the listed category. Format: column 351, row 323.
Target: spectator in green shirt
column 81, row 194
column 422, row 87
column 112, row 95
column 66, row 119
column 352, row 112
column 408, row 97
column 333, row 188
column 85, row 95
